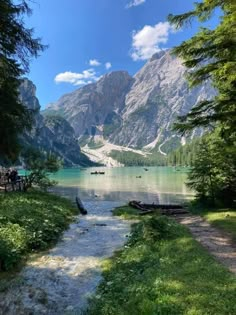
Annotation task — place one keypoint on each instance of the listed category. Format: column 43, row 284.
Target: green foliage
column 184, row 155
column 129, row 158
column 108, row 129
column 170, row 145
column 213, row 171
column 95, row 144
column 13, row 244
column 162, row 270
column 153, row 229
column 126, row 212
column 210, row 54
column 17, row 47
column 40, row 165
column 111, row 124
column 222, row 218
column 30, row 221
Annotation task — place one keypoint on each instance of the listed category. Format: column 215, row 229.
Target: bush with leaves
column 39, row 166
column 13, row 244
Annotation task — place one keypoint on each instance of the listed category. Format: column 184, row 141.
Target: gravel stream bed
column 61, row 281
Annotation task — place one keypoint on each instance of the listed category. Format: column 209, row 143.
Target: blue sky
column 88, row 38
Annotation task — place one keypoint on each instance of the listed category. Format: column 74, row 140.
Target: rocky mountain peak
column 27, row 92
column 136, row 112
column 158, row 55
column 53, row 133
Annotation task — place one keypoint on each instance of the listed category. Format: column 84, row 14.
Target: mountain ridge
column 135, row 112
column 51, row 134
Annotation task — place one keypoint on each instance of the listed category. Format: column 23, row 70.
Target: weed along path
column 60, row 281
column 218, row 244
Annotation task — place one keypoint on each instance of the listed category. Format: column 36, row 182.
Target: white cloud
column 85, row 77
column 108, row 65
column 94, row 63
column 147, row 41
column 135, row 3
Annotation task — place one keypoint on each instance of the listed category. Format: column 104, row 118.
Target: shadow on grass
column 175, row 276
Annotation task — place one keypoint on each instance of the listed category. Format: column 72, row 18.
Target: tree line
column 211, row 55
column 17, row 46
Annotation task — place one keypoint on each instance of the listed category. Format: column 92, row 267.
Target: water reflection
column 158, row 184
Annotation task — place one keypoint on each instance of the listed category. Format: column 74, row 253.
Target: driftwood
column 80, row 206
column 162, row 209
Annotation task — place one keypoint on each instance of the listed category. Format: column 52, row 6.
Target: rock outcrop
column 136, row 112
column 51, row 133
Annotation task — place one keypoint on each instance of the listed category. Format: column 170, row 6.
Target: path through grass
column 163, row 270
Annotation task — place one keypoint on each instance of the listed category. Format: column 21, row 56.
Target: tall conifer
column 17, row 46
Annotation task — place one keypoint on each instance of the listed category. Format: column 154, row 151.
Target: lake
column 157, row 184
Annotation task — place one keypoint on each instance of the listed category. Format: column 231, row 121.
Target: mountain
column 135, row 112
column 52, row 133
column 93, row 106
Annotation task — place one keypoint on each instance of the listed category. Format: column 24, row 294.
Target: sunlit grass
column 223, row 219
column 29, row 222
column 163, row 270
column 126, row 212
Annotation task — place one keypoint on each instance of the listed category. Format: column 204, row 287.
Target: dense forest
column 184, row 155
column 129, row 158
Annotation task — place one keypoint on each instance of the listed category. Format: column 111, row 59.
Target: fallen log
column 80, row 206
column 162, row 209
column 137, row 205
column 161, row 206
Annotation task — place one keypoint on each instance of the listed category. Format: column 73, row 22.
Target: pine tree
column 211, row 54
column 17, row 46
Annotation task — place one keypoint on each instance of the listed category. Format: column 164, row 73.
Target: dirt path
column 61, row 281
column 219, row 245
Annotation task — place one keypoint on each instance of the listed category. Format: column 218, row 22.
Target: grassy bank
column 222, row 218
column 29, row 222
column 162, row 270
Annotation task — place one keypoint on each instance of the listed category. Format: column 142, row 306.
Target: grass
column 126, row 212
column 30, row 222
column 162, row 270
column 222, row 218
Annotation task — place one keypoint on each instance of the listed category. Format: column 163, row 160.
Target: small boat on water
column 146, row 169
column 97, row 173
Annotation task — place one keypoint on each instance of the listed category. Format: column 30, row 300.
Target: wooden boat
column 97, row 173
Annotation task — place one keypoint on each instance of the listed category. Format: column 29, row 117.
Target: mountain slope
column 51, row 133
column 91, row 107
column 136, row 112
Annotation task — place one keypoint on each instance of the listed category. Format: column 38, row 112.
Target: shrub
column 13, row 244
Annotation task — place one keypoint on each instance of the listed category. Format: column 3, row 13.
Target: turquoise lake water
column 158, row 184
